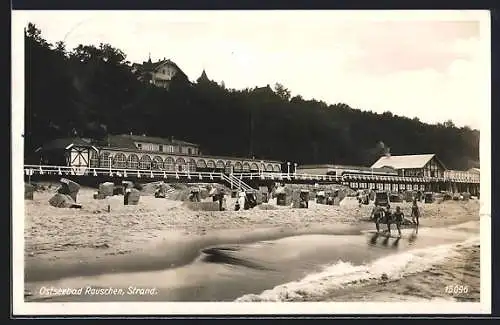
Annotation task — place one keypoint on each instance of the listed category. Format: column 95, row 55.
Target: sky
column 429, row 65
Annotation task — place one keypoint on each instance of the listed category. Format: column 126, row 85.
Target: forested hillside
column 90, row 91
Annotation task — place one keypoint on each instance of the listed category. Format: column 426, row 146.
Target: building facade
column 133, row 152
column 158, row 73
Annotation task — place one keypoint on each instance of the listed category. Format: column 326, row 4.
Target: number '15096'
column 456, row 289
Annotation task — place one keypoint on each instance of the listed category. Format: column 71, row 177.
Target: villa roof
column 148, row 66
column 65, row 143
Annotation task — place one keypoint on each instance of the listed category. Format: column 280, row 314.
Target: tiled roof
column 152, row 66
column 63, row 143
column 128, row 141
column 401, row 162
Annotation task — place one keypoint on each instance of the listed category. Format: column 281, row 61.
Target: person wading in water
column 415, row 213
column 377, row 215
column 388, row 218
column 398, row 218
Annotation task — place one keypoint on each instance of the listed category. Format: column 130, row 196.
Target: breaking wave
column 342, row 275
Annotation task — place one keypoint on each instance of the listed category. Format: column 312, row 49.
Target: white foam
column 342, row 274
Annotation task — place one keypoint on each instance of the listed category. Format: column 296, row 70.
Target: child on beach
column 398, row 218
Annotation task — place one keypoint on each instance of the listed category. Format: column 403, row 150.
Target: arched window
column 254, row 167
column 94, row 158
column 246, row 167
column 145, row 162
column 211, row 164
column 269, row 168
column 229, row 166
column 133, row 161
column 157, row 162
column 104, row 159
column 181, row 164
column 192, row 165
column 169, row 164
column 219, row 164
column 201, row 164
column 238, row 167
column 277, row 168
column 120, row 160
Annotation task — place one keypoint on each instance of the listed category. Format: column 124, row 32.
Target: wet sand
column 163, row 234
column 227, row 272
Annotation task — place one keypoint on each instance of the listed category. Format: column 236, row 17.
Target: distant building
column 140, row 152
column 427, row 165
column 340, row 170
column 158, row 73
column 463, row 175
column 475, row 174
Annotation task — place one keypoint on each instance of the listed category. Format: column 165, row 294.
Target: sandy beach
column 92, row 240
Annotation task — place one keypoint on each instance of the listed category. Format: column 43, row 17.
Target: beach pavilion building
column 427, row 165
column 141, row 152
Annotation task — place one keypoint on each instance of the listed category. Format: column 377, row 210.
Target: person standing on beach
column 241, row 200
column 398, row 218
column 221, row 200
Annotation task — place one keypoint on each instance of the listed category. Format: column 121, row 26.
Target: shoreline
column 231, row 272
column 63, row 243
column 157, row 256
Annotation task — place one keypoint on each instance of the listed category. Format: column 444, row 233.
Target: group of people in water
column 381, row 214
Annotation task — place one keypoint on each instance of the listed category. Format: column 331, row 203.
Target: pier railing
column 406, row 179
column 288, row 177
column 231, row 180
column 120, row 172
column 237, row 179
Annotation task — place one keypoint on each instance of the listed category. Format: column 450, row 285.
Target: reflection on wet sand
column 226, row 272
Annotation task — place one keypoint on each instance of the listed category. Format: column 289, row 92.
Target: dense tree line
column 90, row 91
